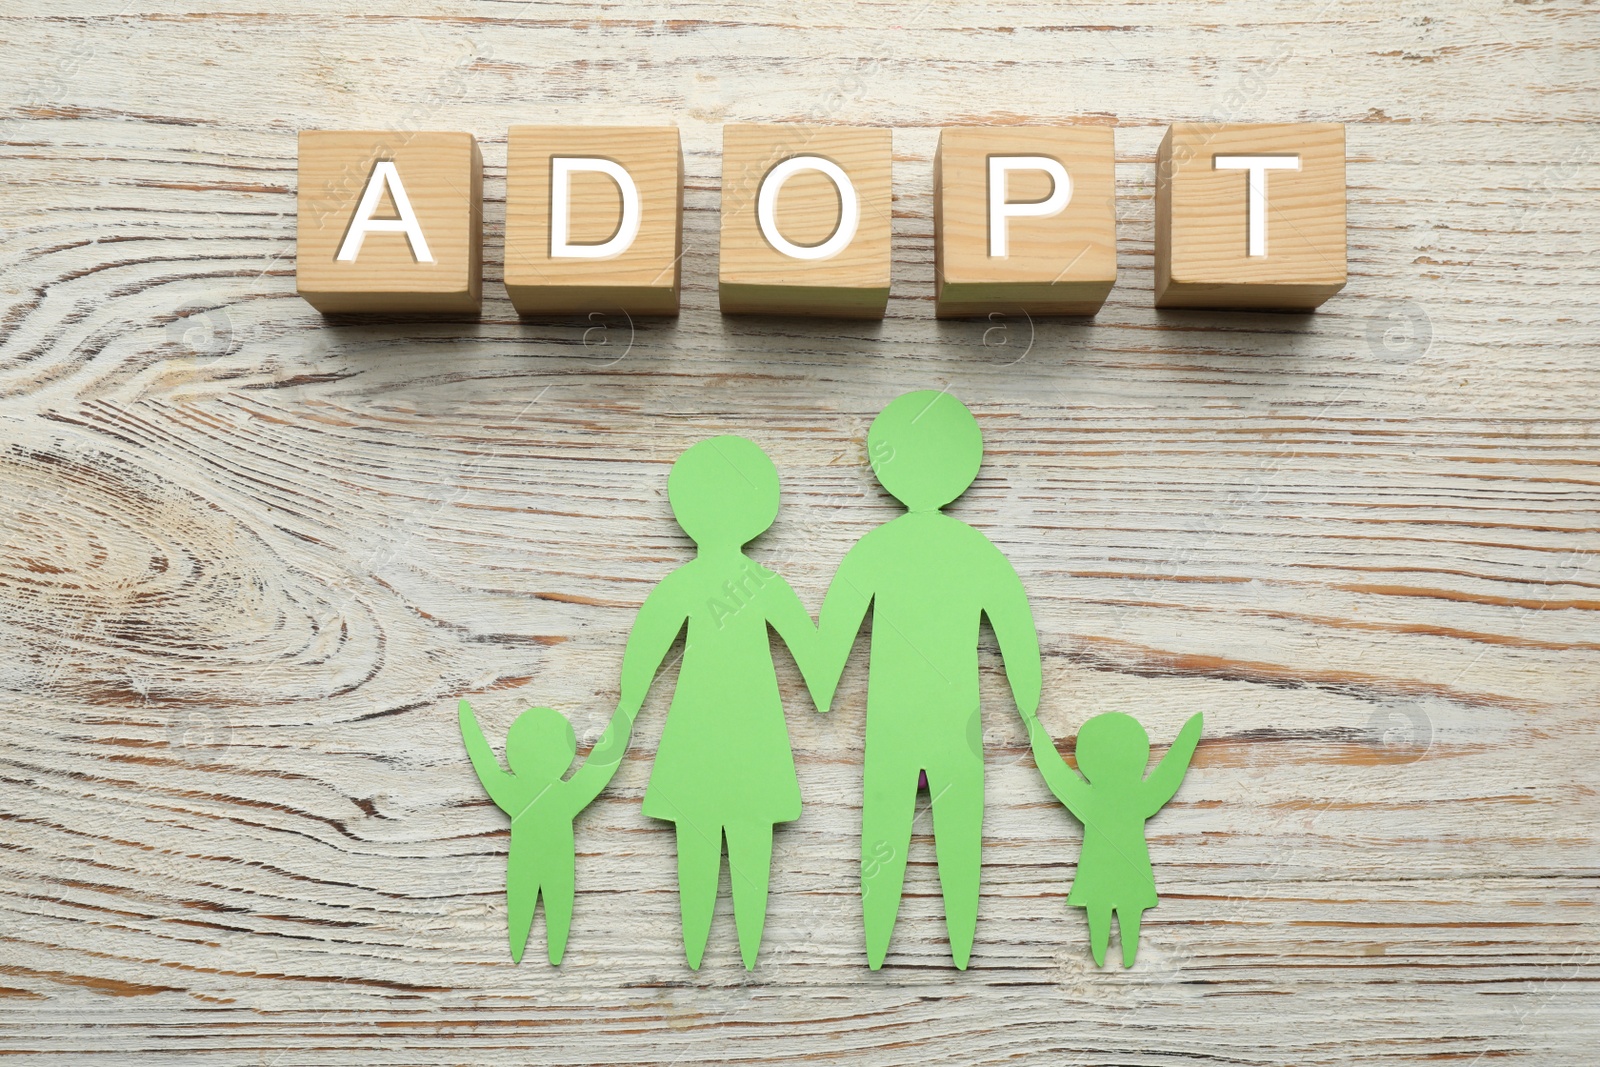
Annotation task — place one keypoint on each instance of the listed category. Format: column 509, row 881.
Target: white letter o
column 767, row 203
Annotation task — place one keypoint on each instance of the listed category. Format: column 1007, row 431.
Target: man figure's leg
column 889, row 801
column 957, row 791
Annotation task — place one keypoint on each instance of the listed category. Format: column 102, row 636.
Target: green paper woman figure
column 724, row 768
column 539, row 747
column 1114, row 869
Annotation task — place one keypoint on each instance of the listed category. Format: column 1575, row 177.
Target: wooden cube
column 805, row 220
column 390, row 222
column 1250, row 216
column 594, row 219
column 1024, row 219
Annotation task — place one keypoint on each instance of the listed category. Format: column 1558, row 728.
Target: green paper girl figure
column 539, row 747
column 1114, row 868
column 724, row 768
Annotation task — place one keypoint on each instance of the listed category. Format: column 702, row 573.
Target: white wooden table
column 249, row 559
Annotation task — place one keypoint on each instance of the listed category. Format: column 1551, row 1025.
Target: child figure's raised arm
column 1164, row 780
column 1068, row 786
column 497, row 782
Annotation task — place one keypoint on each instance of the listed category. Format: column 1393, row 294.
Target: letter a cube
column 390, row 222
column 594, row 219
column 805, row 220
column 1250, row 216
column 1024, row 220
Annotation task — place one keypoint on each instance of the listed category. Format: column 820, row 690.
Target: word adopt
column 1247, row 216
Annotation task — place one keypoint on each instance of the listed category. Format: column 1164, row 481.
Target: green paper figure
column 539, row 748
column 929, row 578
column 724, row 768
column 1114, row 868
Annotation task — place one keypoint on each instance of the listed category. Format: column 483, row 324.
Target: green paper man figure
column 1114, row 869
column 724, row 768
column 929, row 579
column 539, row 747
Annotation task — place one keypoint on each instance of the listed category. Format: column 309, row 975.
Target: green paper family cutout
column 724, row 770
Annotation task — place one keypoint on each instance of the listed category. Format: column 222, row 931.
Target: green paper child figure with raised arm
column 1114, row 868
column 539, row 747
column 930, row 579
column 724, row 768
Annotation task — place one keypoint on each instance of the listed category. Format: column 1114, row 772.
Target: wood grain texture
column 249, row 557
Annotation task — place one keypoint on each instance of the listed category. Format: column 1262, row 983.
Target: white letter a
column 384, row 175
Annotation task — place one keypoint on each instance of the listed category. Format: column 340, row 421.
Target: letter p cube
column 1023, row 220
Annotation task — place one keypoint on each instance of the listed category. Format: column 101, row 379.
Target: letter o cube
column 805, row 220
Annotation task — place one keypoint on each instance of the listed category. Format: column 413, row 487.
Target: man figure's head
column 925, row 448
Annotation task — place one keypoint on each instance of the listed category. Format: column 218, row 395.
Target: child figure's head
column 540, row 745
column 1113, row 749
column 724, row 491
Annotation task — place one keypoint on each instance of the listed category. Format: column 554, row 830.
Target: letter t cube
column 1250, row 216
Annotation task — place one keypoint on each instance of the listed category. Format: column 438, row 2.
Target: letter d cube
column 594, row 219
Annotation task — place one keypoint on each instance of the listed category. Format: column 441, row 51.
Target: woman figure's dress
column 724, row 754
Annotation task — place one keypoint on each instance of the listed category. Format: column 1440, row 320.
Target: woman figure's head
column 724, row 491
column 1113, row 749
